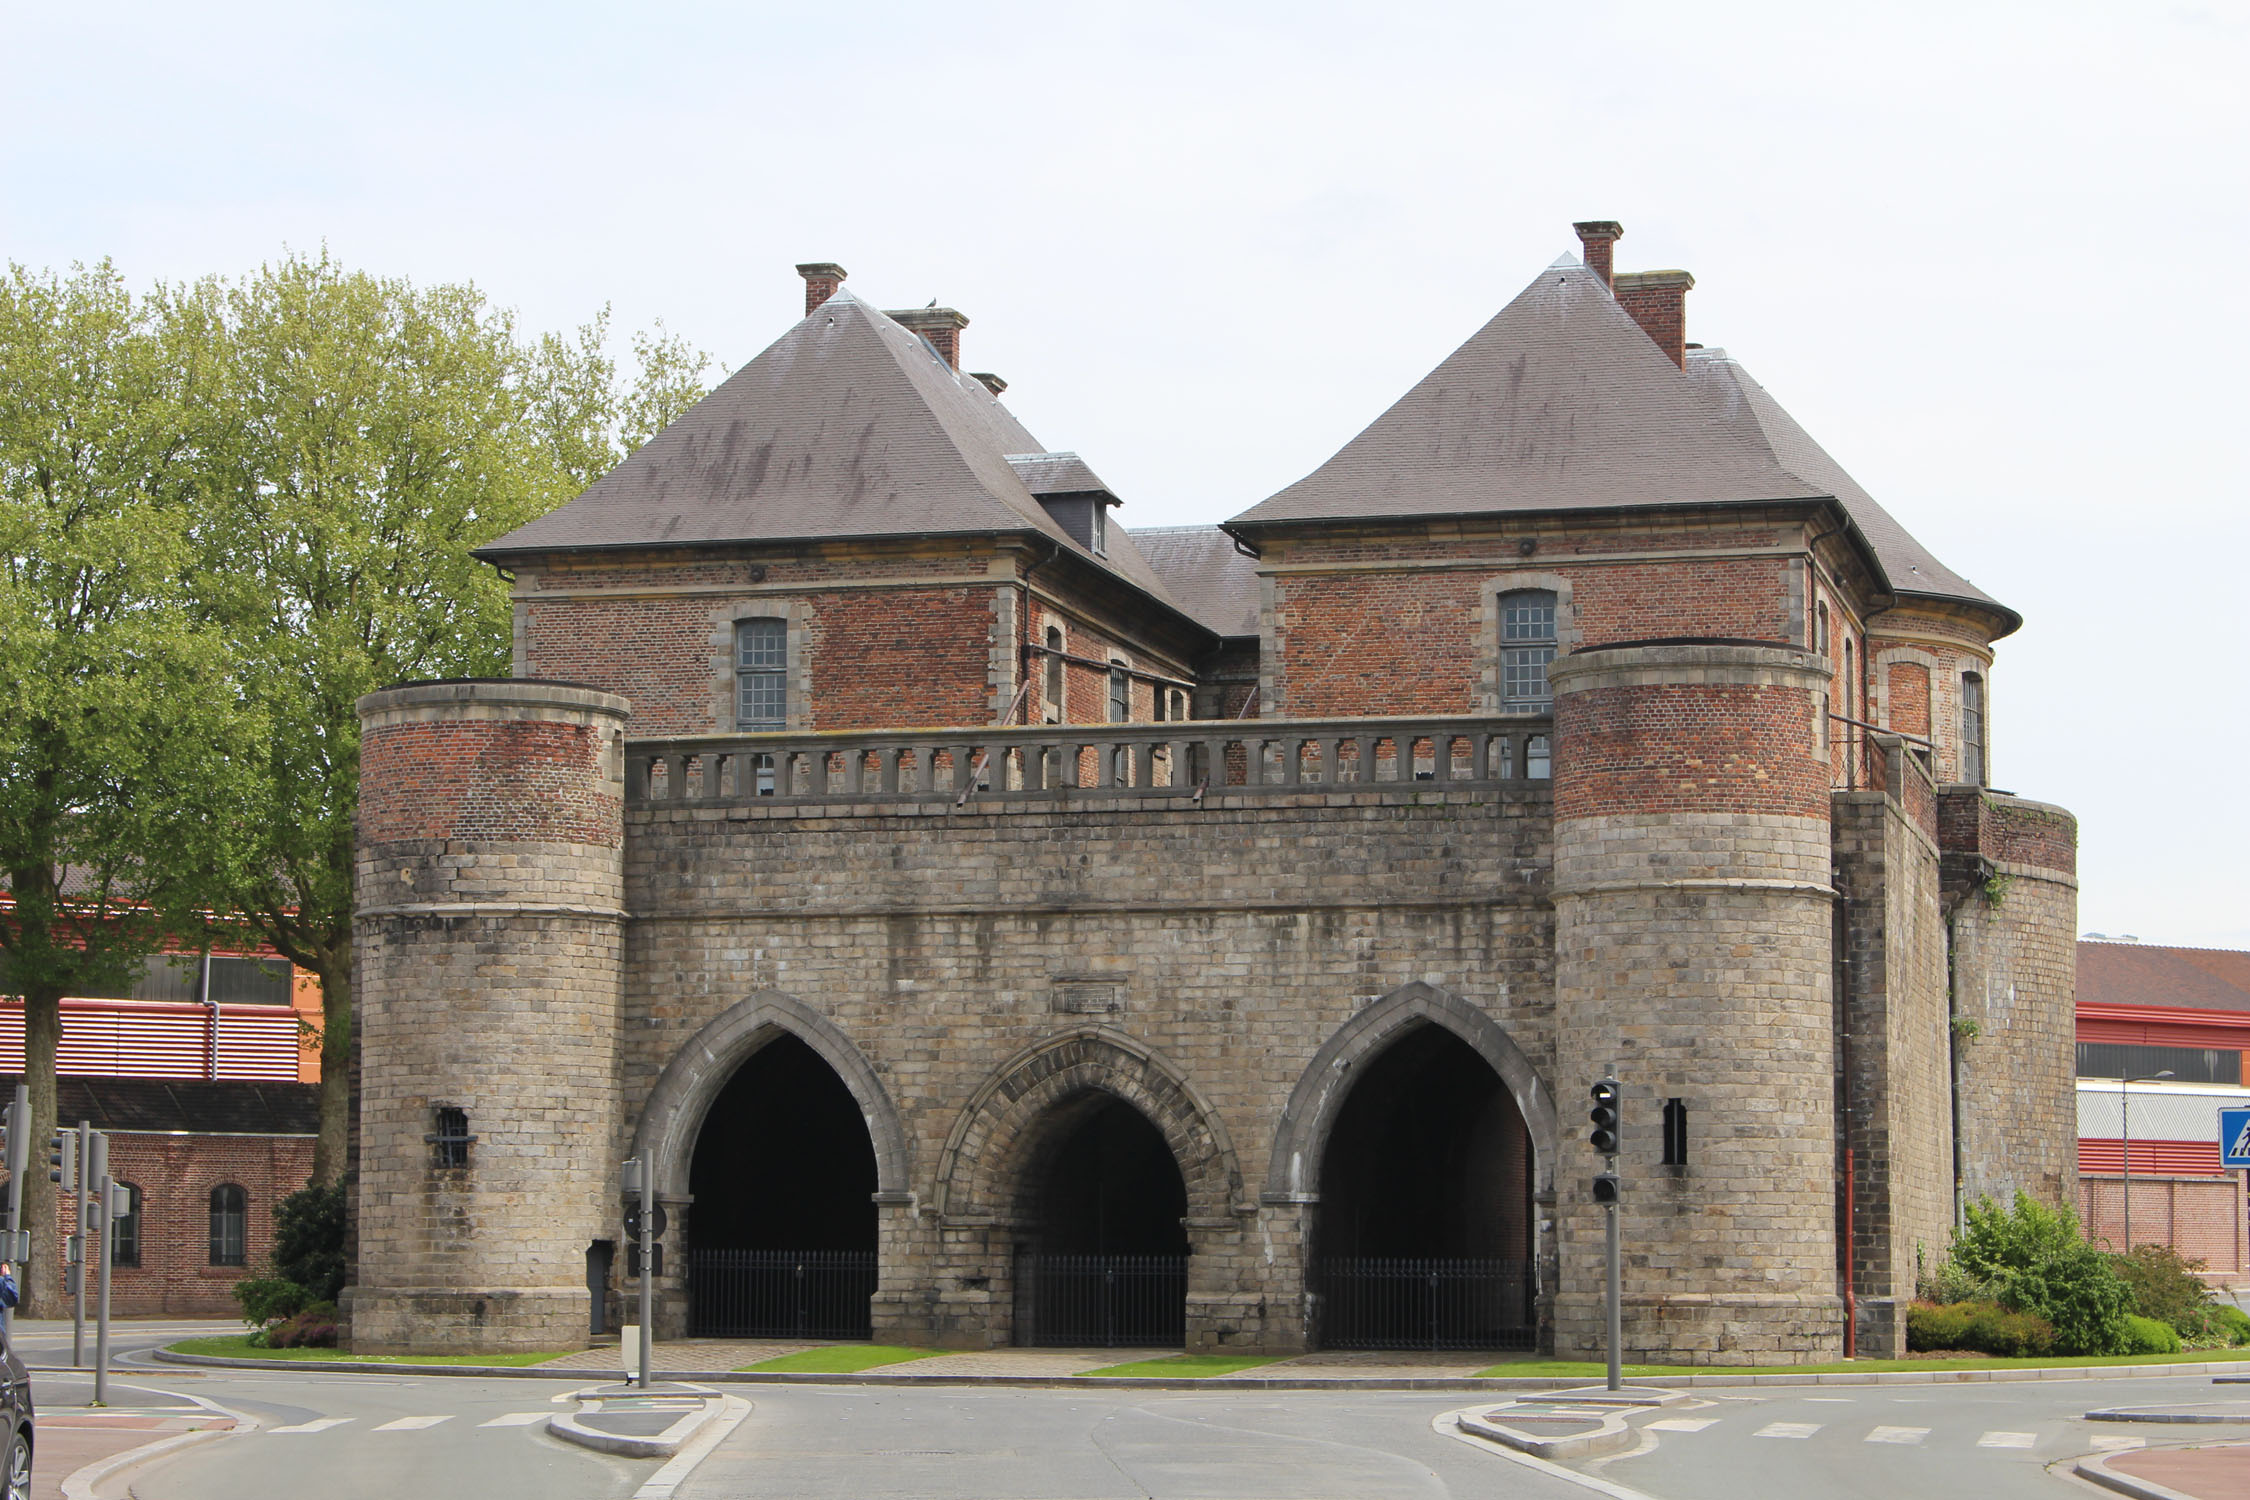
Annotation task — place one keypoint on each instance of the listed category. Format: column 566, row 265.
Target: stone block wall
column 488, row 981
column 1693, row 951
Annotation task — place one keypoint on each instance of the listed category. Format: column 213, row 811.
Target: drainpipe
column 210, row 1015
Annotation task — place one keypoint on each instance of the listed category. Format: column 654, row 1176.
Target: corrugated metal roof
column 1207, row 574
column 1561, row 402
column 2161, row 1112
column 2147, row 974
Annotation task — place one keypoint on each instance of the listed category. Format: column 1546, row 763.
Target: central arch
column 1093, row 1165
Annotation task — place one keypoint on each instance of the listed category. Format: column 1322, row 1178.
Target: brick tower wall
column 490, row 891
column 1693, row 949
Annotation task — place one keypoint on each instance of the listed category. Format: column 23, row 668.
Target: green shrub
column 313, row 1328
column 2233, row 1322
column 2037, row 1262
column 308, row 1241
column 269, row 1299
column 1949, row 1282
column 1985, row 1327
column 2166, row 1288
column 2149, row 1336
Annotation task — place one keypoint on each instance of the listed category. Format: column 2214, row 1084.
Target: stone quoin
column 996, row 925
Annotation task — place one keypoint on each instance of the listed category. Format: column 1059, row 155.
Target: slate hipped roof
column 848, row 426
column 1563, row 403
column 1207, row 573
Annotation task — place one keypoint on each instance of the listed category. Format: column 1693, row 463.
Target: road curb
column 1218, row 1382
column 662, row 1445
column 1610, row 1437
column 2095, row 1469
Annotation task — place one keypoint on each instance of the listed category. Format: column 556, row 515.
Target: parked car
column 15, row 1481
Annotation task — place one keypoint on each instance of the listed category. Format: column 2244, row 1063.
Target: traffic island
column 2212, row 1471
column 1566, row 1424
column 632, row 1421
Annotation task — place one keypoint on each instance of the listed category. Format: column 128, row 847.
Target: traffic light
column 62, row 1159
column 1606, row 1188
column 1603, row 1136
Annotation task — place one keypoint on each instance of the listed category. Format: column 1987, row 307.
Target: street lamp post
column 2125, row 1108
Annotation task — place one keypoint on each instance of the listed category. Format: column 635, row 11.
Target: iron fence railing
column 1105, row 1301
column 1176, row 760
column 805, row 1294
column 1415, row 1303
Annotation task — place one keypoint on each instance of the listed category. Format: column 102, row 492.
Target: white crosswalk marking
column 2007, row 1440
column 1898, row 1434
column 413, row 1424
column 1683, row 1424
column 1789, row 1429
column 2117, row 1444
column 318, row 1424
column 516, row 1419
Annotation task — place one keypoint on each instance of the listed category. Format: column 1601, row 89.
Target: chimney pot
column 940, row 325
column 1596, row 237
column 989, row 381
column 822, row 279
column 1658, row 302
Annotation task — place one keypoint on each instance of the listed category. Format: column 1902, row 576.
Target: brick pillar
column 491, row 981
column 1597, row 239
column 1693, row 939
column 823, row 279
column 1658, row 302
column 940, row 325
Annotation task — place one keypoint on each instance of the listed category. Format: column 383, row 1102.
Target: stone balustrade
column 1177, row 761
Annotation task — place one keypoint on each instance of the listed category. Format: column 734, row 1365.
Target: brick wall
column 2203, row 1218
column 176, row 1173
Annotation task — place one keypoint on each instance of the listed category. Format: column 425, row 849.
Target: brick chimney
column 1596, row 237
column 823, row 278
column 1658, row 302
column 940, row 325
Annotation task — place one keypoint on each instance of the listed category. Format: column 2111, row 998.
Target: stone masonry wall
column 1195, row 958
column 488, row 952
column 1894, row 1050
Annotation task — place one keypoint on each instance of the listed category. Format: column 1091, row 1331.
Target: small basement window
column 451, row 1140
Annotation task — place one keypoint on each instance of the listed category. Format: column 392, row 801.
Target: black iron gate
column 805, row 1294
column 1397, row 1303
column 1108, row 1301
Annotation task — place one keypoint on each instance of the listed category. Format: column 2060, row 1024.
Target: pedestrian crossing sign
column 2234, row 1137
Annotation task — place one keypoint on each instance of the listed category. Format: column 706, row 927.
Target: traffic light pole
column 1608, row 1139
column 78, row 1261
column 648, row 1269
column 97, row 1169
column 1615, row 1299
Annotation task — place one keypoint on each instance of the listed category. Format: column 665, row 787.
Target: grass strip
column 238, row 1346
column 842, row 1359
column 1189, row 1366
column 1571, row 1369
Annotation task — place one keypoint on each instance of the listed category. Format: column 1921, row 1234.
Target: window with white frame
column 1527, row 649
column 761, row 674
column 1972, row 729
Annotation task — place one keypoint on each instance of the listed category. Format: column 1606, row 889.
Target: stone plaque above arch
column 703, row 1066
column 1293, row 1175
column 980, row 1173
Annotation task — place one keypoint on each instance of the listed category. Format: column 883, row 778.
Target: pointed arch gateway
column 1420, row 1138
column 775, row 1134
column 1094, row 1164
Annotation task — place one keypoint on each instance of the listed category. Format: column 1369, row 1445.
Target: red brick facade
column 486, row 779
column 1685, row 748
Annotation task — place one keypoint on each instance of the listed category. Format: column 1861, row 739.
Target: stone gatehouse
column 996, row 925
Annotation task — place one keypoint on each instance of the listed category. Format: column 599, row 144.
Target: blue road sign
column 2234, row 1137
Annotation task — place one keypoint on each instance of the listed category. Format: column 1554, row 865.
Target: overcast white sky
column 1995, row 257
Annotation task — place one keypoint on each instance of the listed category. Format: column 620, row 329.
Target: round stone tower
column 1693, row 947
column 490, row 993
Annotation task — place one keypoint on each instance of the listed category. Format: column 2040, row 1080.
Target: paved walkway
column 2216, row 1471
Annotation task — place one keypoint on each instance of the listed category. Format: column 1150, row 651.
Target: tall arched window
column 1054, row 674
column 1120, row 694
column 230, row 1225
column 125, row 1230
column 1527, row 648
column 761, row 674
column 1972, row 729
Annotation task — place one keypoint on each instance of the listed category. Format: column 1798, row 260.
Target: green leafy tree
column 113, row 702
column 2036, row 1261
column 366, row 435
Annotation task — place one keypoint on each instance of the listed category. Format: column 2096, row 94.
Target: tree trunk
column 335, row 974
column 39, row 1278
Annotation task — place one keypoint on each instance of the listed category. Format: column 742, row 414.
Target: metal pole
column 19, row 1162
column 1615, row 1300
column 1614, row 1294
column 101, row 1314
column 2125, row 1103
column 648, row 1266
column 78, row 1189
